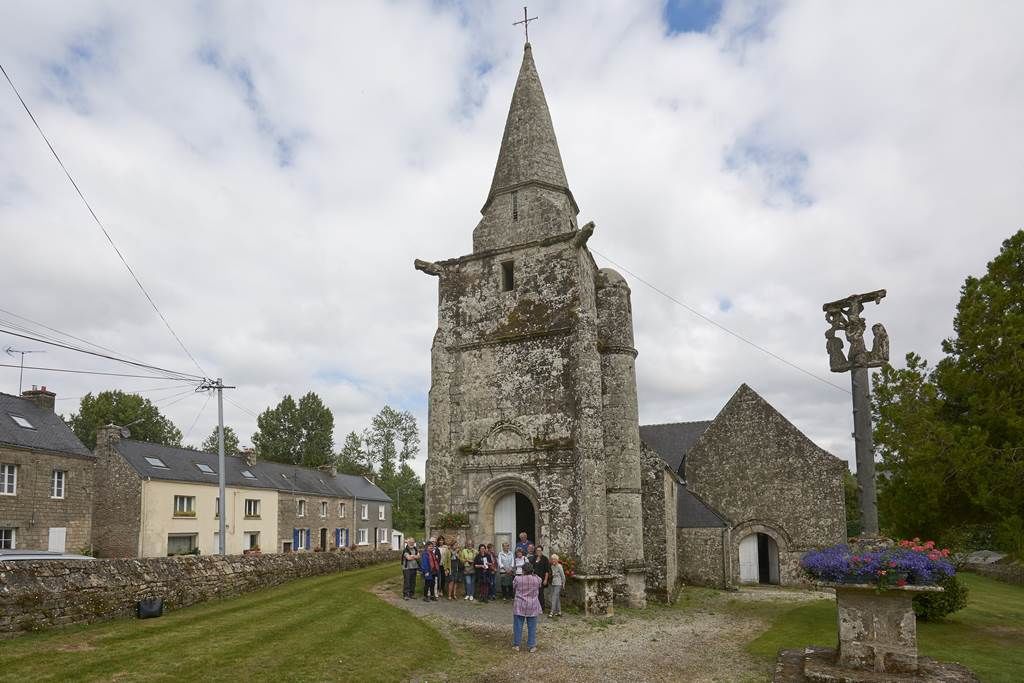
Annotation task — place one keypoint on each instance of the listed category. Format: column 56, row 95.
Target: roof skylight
column 248, row 475
column 156, row 462
column 204, row 468
column 21, row 421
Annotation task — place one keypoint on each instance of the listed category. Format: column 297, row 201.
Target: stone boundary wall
column 40, row 595
column 1008, row 573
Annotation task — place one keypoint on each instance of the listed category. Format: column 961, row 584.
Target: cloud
column 272, row 171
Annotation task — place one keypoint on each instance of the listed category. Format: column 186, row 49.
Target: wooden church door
column 748, row 560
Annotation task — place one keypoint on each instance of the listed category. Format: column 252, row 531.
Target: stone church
column 533, row 422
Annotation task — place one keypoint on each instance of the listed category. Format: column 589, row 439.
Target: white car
column 38, row 555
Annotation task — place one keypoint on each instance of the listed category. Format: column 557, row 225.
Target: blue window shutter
column 337, row 538
column 307, row 546
column 295, row 539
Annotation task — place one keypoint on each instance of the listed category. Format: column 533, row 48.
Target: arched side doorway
column 513, row 513
column 759, row 559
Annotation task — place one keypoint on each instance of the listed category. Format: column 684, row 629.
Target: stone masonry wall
column 1009, row 573
column 700, row 558
column 117, row 503
column 659, row 524
column 31, row 512
column 40, row 595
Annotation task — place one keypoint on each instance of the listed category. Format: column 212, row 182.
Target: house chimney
column 249, row 455
column 40, row 397
column 330, row 469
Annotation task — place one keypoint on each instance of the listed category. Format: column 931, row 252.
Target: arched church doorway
column 759, row 559
column 513, row 513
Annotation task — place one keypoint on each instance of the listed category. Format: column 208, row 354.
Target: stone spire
column 529, row 150
column 529, row 166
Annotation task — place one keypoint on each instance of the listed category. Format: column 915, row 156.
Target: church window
column 508, row 280
column 515, row 205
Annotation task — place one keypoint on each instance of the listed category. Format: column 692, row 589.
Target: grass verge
column 987, row 635
column 321, row 628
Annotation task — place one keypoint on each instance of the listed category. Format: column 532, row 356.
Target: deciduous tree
column 138, row 414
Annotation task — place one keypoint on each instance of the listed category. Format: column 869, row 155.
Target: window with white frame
column 57, row 484
column 7, row 538
column 361, row 537
column 300, row 509
column 364, row 511
column 252, row 508
column 323, row 508
column 184, row 506
column 252, row 540
column 181, row 544
column 380, row 512
column 8, row 480
column 21, row 421
column 341, row 510
column 382, row 535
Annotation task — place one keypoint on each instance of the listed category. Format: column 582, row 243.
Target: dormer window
column 515, row 205
column 508, row 278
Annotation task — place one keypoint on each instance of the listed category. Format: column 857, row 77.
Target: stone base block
column 821, row 664
column 594, row 594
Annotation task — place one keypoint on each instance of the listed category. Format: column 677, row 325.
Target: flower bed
column 908, row 563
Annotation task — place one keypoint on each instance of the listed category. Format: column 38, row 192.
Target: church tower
column 532, row 420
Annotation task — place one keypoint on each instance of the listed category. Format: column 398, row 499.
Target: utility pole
column 21, row 372
column 845, row 315
column 218, row 384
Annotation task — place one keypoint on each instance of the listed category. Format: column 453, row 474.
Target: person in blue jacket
column 429, row 568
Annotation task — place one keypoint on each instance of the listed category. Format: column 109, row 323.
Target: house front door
column 323, row 539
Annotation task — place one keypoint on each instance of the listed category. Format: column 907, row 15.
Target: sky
column 271, row 171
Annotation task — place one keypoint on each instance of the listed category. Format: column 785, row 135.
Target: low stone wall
column 40, row 595
column 1008, row 573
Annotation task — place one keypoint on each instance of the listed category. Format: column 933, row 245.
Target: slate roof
column 181, row 466
column 673, row 441
column 48, row 433
column 692, row 512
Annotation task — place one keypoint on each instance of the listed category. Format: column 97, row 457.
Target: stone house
column 532, row 411
column 154, row 500
column 46, row 477
column 754, row 494
column 324, row 509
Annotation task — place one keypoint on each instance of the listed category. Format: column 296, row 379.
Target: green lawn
column 326, row 627
column 987, row 635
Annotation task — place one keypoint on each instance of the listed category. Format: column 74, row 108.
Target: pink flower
column 901, row 582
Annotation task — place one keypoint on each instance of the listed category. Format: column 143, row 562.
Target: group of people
column 520, row 575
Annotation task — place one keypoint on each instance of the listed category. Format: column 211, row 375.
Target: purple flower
column 885, row 568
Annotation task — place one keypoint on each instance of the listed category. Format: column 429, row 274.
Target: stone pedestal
column 878, row 628
column 593, row 593
column 636, row 587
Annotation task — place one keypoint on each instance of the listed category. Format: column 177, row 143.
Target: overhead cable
column 100, row 224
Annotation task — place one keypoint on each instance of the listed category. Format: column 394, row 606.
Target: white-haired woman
column 557, row 581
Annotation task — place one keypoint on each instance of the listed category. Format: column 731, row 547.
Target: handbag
column 149, row 608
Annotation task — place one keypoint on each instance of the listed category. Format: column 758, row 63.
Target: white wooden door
column 748, row 560
column 58, row 536
column 505, row 516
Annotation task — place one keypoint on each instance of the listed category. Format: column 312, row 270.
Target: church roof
column 529, row 151
column 673, row 441
column 694, row 513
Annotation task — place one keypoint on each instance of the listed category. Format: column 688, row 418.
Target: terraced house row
column 137, row 499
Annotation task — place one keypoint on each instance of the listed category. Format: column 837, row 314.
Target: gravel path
column 701, row 642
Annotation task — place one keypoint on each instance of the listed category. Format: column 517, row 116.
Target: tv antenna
column 21, row 372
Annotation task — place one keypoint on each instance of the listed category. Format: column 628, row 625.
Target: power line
column 134, row 391
column 192, row 426
column 100, row 223
column 146, row 366
column 62, row 333
column 240, row 407
column 90, row 372
column 719, row 325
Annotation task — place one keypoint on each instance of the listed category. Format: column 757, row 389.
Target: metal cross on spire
column 525, row 22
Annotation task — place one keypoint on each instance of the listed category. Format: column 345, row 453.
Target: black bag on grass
column 148, row 608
